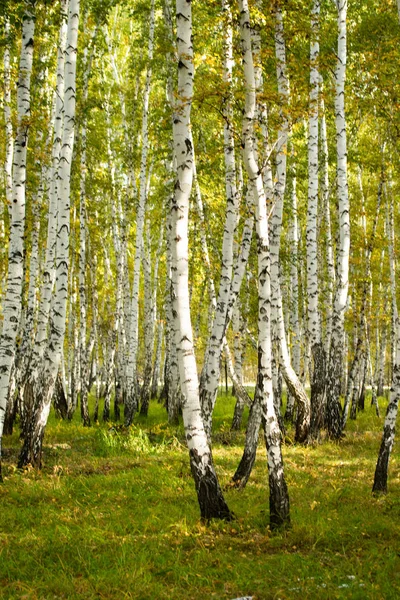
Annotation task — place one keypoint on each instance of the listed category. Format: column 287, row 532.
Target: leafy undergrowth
column 113, row 514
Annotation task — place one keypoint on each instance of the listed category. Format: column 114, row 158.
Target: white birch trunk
column 389, row 428
column 211, row 375
column 362, row 331
column 330, row 263
column 83, row 351
column 277, row 322
column 294, row 293
column 43, row 390
column 131, row 399
column 13, row 298
column 157, row 361
column 279, row 498
column 313, row 312
column 49, row 264
column 9, row 136
column 209, row 493
column 335, row 368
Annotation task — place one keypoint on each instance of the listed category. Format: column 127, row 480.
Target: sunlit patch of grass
column 113, row 514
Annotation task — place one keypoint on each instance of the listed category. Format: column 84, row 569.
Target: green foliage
column 131, row 440
column 98, row 522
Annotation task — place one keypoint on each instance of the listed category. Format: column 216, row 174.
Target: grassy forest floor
column 113, row 514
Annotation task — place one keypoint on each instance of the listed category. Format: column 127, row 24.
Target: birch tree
column 335, row 366
column 278, row 494
column 209, row 493
column 210, row 377
column 42, row 388
column 131, row 399
column 314, row 320
column 13, row 298
column 389, row 428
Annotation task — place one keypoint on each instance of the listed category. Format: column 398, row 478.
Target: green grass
column 113, row 514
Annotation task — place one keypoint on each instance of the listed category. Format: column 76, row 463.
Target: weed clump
column 131, row 440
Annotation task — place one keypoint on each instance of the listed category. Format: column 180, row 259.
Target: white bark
column 131, row 400
column 13, row 297
column 294, row 291
column 279, row 499
column 9, row 145
column 212, row 503
column 330, row 263
column 342, row 283
column 49, row 264
column 31, row 451
column 83, row 351
column 277, row 322
column 210, row 377
column 313, row 313
column 389, row 429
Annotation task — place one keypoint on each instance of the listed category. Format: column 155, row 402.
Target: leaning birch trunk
column 210, row 377
column 278, row 493
column 313, row 313
column 131, row 399
column 389, row 428
column 277, row 322
column 13, row 297
column 43, row 389
column 209, row 493
column 335, row 367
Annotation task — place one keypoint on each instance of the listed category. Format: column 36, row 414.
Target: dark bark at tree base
column 209, row 494
column 237, row 415
column 130, row 410
column 317, row 391
column 106, row 411
column 279, row 505
column 289, row 412
column 333, row 415
column 246, row 464
column 60, row 400
column 117, row 410
column 144, row 409
column 85, row 410
column 31, row 451
column 10, row 416
column 382, row 465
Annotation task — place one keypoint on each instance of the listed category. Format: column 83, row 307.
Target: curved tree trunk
column 209, row 494
column 278, row 493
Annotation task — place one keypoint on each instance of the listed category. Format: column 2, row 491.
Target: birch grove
column 130, row 271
